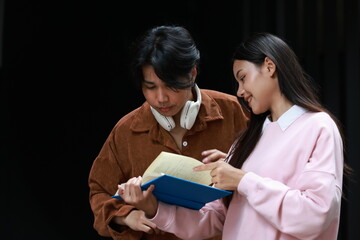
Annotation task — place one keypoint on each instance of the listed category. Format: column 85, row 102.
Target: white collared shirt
column 287, row 118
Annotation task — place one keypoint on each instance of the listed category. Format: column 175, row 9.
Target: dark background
column 65, row 83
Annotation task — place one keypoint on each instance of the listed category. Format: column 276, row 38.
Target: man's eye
column 149, row 87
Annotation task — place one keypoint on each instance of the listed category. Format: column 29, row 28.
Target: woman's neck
column 281, row 106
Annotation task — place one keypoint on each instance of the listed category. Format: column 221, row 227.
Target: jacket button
column 185, row 143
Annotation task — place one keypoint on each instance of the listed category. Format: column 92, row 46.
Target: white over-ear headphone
column 188, row 114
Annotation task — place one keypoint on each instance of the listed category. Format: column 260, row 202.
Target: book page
column 177, row 166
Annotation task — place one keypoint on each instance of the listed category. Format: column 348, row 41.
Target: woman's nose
column 240, row 92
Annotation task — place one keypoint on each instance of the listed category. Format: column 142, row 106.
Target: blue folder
column 180, row 192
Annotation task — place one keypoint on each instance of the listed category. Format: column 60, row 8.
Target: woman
column 177, row 117
column 285, row 170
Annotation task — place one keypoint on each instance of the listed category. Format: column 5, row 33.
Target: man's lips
column 165, row 109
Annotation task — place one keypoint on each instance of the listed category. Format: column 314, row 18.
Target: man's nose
column 162, row 95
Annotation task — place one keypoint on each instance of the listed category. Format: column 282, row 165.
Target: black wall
column 65, row 83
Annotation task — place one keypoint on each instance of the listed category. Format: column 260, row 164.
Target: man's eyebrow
column 148, row 82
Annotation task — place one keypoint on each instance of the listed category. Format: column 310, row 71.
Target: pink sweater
column 292, row 189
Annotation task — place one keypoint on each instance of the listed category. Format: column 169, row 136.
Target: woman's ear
column 270, row 66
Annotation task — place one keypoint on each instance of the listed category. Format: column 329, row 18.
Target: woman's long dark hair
column 294, row 84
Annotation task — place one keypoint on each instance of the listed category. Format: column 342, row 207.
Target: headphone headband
column 188, row 114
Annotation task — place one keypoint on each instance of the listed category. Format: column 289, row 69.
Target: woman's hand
column 132, row 194
column 223, row 175
column 213, row 155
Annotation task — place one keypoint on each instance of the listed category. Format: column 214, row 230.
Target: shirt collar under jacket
column 287, row 118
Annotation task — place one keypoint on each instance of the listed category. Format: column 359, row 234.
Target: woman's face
column 160, row 96
column 256, row 84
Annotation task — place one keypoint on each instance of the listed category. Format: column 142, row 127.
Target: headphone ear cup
column 189, row 114
column 190, row 111
column 184, row 114
column 167, row 123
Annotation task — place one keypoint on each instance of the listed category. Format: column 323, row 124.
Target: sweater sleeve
column 309, row 207
column 204, row 223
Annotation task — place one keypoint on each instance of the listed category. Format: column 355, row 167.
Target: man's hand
column 132, row 194
column 137, row 221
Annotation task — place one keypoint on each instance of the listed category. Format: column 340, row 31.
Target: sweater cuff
column 164, row 215
column 247, row 183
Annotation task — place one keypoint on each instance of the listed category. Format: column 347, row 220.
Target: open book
column 177, row 183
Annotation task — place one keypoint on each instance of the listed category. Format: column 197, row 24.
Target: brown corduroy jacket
column 137, row 139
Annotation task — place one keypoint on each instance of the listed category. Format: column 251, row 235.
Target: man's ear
column 270, row 66
column 193, row 73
